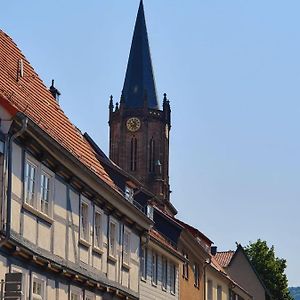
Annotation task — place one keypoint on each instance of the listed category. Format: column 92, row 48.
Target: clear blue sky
column 232, row 72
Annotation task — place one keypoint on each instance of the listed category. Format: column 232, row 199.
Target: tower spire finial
column 139, row 75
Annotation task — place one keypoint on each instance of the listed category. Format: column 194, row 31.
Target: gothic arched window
column 152, row 155
column 133, row 154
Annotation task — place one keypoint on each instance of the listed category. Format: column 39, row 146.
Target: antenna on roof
column 20, row 71
column 54, row 91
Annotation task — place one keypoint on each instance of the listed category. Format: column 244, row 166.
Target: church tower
column 139, row 129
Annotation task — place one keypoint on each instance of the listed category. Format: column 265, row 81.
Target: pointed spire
column 139, row 75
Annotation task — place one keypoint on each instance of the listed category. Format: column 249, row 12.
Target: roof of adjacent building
column 224, row 257
column 139, row 82
column 29, row 95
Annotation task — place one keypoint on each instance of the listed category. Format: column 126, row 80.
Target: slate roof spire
column 139, row 80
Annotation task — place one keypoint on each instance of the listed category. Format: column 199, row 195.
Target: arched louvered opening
column 152, row 155
column 133, row 154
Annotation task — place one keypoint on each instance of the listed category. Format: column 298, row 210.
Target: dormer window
column 129, row 193
column 150, row 211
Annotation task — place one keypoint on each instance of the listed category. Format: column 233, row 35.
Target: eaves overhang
column 113, row 196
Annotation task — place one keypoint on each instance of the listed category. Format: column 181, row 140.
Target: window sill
column 164, row 289
column 84, row 243
column 154, row 284
column 98, row 250
column 126, row 266
column 143, row 279
column 172, row 293
column 112, row 258
column 37, row 213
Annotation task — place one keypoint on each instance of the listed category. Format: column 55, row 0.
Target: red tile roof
column 224, row 258
column 30, row 96
column 195, row 232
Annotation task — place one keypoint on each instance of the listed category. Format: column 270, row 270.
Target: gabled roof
column 30, row 96
column 139, row 80
column 225, row 259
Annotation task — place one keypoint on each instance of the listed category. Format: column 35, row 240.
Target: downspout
column 9, row 179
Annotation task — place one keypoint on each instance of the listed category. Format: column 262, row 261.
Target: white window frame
column 36, row 205
column 143, row 262
column 129, row 193
column 196, row 275
column 89, row 296
column 75, row 291
column 112, row 248
column 126, row 252
column 164, row 273
column 98, row 244
column 154, row 271
column 85, row 235
column 173, row 273
column 38, row 279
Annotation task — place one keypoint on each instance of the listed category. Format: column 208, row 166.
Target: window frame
column 219, row 292
column 127, row 258
column 112, row 254
column 154, row 267
column 164, row 273
column 42, row 281
column 129, row 193
column 173, row 278
column 185, row 269
column 85, row 240
column 209, row 289
column 76, row 291
column 35, row 206
column 143, row 262
column 98, row 246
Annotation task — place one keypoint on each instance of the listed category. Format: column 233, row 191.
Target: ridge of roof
column 30, row 96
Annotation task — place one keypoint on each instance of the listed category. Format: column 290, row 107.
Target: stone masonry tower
column 139, row 129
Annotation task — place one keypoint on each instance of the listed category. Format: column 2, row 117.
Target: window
column 84, row 221
column 38, row 186
column 196, row 275
column 152, row 155
column 45, row 193
column 38, row 289
column 144, row 263
column 126, row 248
column 98, row 230
column 150, row 211
column 209, row 290
column 76, row 293
column 185, row 269
column 89, row 296
column 133, row 154
column 112, row 239
column 154, row 268
column 30, row 183
column 173, row 278
column 129, row 193
column 74, row 296
column 164, row 273
column 219, row 292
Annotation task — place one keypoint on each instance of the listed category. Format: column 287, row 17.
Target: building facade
column 65, row 223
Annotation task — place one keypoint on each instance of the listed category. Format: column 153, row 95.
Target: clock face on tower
column 133, row 124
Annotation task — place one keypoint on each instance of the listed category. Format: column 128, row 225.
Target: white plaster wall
column 17, row 187
column 149, row 291
column 44, row 235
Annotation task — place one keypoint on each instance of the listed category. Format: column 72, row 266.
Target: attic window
column 129, row 193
